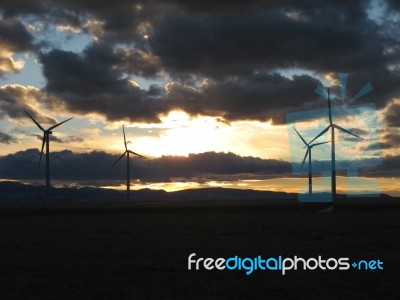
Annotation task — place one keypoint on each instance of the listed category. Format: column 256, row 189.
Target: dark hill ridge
column 18, row 192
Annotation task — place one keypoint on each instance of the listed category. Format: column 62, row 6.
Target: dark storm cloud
column 86, row 74
column 217, row 164
column 91, row 83
column 388, row 168
column 240, row 48
column 16, row 99
column 390, row 140
column 323, row 38
column 258, row 96
column 96, row 165
column 95, row 82
column 392, row 115
column 225, row 6
column 66, row 165
column 120, row 18
column 5, row 138
column 217, row 45
column 14, row 36
column 12, row 8
column 394, row 4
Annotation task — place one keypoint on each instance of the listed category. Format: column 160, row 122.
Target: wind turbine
column 308, row 153
column 332, row 126
column 46, row 140
column 127, row 152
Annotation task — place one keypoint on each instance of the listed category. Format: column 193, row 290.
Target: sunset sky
column 205, row 89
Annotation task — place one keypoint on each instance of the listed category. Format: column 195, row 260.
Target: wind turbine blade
column 344, row 130
column 37, row 124
column 329, row 107
column 366, row 89
column 134, row 153
column 321, row 91
column 343, row 85
column 54, row 126
column 123, row 130
column 41, row 152
column 317, row 144
column 301, row 137
column 321, row 133
column 305, row 156
column 123, row 154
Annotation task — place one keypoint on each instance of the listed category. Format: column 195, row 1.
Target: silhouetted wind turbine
column 308, row 153
column 46, row 140
column 127, row 152
column 332, row 126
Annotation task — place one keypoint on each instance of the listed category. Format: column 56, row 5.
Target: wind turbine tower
column 46, row 141
column 127, row 152
column 308, row 153
column 332, row 126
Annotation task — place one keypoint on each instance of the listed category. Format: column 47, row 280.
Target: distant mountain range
column 21, row 193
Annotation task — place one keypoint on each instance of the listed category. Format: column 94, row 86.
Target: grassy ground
column 141, row 252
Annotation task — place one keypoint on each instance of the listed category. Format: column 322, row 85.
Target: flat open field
column 141, row 252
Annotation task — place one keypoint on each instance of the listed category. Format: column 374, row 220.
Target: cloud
column 323, row 40
column 219, row 44
column 393, row 4
column 390, row 140
column 15, row 99
column 8, row 64
column 92, row 133
column 5, row 138
column 388, row 168
column 92, row 83
column 392, row 114
column 64, row 140
column 239, row 53
column 227, row 59
column 95, row 82
column 92, row 166
column 11, row 8
column 260, row 96
column 14, row 37
column 67, row 165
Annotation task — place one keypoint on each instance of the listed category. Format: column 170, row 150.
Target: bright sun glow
column 181, row 134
